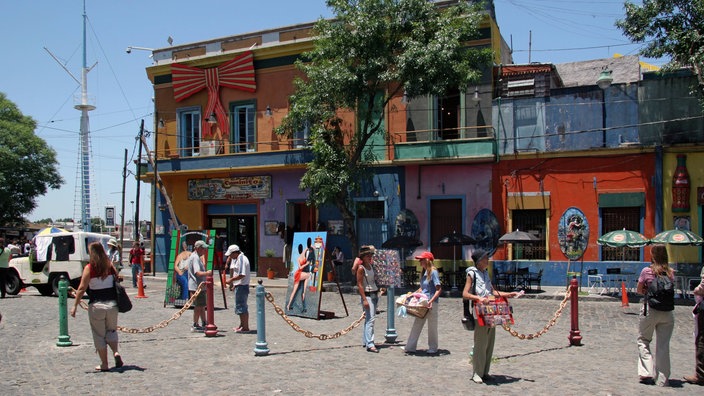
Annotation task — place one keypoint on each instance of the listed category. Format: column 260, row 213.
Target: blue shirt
column 428, row 287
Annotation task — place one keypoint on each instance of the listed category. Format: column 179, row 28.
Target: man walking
column 197, row 275
column 239, row 276
column 136, row 260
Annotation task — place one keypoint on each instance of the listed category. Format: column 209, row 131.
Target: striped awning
column 237, row 73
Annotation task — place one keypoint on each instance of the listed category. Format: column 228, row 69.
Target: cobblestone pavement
column 173, row 360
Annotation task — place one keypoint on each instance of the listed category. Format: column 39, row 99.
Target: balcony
column 468, row 143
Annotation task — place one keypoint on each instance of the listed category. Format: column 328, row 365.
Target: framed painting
column 306, row 278
column 270, row 227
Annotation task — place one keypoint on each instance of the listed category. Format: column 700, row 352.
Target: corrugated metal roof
column 625, row 69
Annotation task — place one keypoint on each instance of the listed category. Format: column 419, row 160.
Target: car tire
column 45, row 290
column 13, row 284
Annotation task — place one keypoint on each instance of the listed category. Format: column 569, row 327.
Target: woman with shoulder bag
column 660, row 320
column 99, row 276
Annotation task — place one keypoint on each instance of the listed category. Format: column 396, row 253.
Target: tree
column 673, row 28
column 28, row 167
column 371, row 52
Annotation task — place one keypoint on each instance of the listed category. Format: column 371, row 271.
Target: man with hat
column 369, row 293
column 115, row 255
column 196, row 275
column 483, row 292
column 239, row 276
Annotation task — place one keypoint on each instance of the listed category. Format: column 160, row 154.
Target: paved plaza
column 172, row 360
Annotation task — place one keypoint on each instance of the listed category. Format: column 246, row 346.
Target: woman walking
column 656, row 316
column 430, row 286
column 99, row 277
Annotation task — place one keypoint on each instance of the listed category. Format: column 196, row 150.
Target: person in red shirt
column 137, row 261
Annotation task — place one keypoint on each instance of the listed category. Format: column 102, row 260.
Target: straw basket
column 418, row 311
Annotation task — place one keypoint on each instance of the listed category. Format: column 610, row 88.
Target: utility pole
column 122, row 213
column 139, row 169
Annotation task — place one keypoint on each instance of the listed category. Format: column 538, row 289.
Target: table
column 613, row 281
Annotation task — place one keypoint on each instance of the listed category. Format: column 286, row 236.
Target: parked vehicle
column 52, row 255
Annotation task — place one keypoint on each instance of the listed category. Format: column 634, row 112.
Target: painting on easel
column 306, row 278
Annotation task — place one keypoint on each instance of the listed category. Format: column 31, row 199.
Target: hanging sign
column 244, row 187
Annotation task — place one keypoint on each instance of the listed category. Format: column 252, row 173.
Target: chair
column 502, row 280
column 595, row 279
column 534, row 277
column 614, row 279
column 522, row 276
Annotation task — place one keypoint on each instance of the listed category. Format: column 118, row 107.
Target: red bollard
column 210, row 329
column 575, row 337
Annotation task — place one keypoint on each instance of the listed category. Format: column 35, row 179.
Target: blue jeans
column 369, row 318
column 136, row 269
column 183, row 282
column 241, row 294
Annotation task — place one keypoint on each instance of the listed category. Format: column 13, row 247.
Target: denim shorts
column 241, row 294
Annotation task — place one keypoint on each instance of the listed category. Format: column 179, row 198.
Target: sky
column 558, row 31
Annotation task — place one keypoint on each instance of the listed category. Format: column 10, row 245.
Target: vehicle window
column 63, row 246
column 91, row 239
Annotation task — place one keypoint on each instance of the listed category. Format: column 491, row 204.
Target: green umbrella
column 678, row 237
column 623, row 238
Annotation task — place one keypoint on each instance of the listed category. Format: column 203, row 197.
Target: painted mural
column 573, row 233
column 486, row 231
column 306, row 278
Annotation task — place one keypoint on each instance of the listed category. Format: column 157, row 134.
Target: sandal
column 100, row 369
column 118, row 361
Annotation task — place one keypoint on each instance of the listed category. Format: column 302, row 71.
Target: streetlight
column 604, row 82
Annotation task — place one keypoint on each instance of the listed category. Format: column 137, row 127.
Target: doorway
column 240, row 230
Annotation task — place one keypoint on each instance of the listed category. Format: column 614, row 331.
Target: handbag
column 123, row 300
column 468, row 319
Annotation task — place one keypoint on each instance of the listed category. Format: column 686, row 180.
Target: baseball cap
column 425, row 255
column 231, row 249
column 200, row 244
column 479, row 254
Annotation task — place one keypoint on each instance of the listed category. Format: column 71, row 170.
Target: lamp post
column 604, row 82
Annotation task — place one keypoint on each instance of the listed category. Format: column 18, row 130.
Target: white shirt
column 240, row 266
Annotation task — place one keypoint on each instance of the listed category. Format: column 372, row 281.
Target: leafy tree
column 48, row 220
column 97, row 224
column 28, row 167
column 673, row 28
column 371, row 52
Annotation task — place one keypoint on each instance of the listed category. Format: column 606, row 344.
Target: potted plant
column 270, row 273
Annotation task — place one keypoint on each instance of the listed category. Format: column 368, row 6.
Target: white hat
column 112, row 242
column 200, row 244
column 231, row 249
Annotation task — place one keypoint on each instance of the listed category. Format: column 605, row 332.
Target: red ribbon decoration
column 237, row 73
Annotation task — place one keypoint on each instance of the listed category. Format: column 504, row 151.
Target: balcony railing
column 445, row 144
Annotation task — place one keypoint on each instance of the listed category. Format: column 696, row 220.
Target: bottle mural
column 680, row 186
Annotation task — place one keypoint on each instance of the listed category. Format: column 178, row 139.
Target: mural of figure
column 181, row 270
column 302, row 274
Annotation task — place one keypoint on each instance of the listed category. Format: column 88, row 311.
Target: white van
column 53, row 255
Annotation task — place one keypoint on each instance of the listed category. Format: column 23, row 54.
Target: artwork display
column 387, row 268
column 306, row 278
column 573, row 233
column 486, row 231
column 682, row 223
column 271, row 227
column 181, row 248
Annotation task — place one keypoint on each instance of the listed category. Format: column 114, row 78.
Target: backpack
column 661, row 293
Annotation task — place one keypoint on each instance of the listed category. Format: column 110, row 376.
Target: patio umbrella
column 51, row 230
column 623, row 238
column 678, row 237
column 456, row 239
column 518, row 236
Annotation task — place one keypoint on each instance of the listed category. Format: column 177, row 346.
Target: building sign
column 110, row 216
column 244, row 187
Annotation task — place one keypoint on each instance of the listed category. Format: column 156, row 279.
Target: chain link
column 159, row 325
column 307, row 333
column 545, row 329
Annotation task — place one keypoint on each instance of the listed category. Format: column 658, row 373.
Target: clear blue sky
column 562, row 31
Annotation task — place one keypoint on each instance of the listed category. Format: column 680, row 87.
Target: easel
column 339, row 289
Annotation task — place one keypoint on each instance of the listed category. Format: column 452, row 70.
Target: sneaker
column 487, row 378
column 476, row 378
column 197, row 329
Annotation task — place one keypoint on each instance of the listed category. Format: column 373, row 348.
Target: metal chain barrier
column 308, row 333
column 545, row 329
column 159, row 325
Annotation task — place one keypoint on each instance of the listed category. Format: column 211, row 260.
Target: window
column 301, row 137
column 615, row 218
column 531, row 221
column 244, row 138
column 189, row 132
column 447, row 115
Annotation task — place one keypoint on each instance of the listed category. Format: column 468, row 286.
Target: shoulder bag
column 123, row 300
column 468, row 319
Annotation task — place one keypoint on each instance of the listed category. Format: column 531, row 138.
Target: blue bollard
column 64, row 338
column 261, row 348
column 390, row 324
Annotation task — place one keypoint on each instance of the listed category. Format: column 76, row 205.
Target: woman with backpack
column 656, row 283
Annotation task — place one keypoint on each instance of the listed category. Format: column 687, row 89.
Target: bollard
column 390, row 330
column 140, row 285
column 261, row 348
column 64, row 338
column 210, row 329
column 575, row 337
